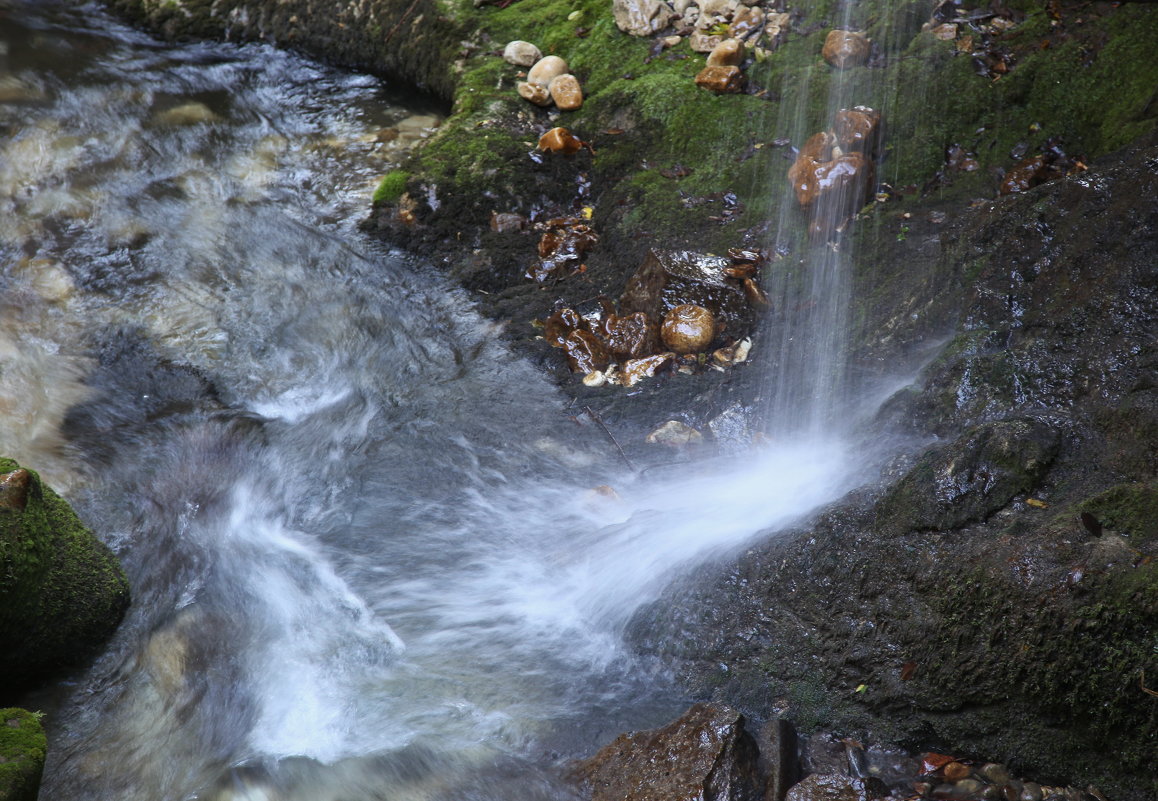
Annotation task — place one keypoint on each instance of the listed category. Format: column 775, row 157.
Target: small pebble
column 546, row 70
column 536, row 93
column 566, row 92
column 728, row 53
column 521, row 54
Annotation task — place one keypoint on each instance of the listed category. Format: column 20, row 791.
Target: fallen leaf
column 1036, row 504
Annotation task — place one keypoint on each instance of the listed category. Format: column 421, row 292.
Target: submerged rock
column 706, row 754
column 675, row 434
column 62, row 592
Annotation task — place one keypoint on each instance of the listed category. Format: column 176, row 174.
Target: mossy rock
column 62, row 592
column 22, row 750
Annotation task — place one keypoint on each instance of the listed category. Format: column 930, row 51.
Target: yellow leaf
column 588, row 212
column 1036, row 504
column 862, row 688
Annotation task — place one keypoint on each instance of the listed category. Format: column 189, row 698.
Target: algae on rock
column 22, row 751
column 62, row 592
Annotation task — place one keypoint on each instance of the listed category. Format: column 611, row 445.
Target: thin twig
column 401, row 19
column 1142, row 684
column 594, row 416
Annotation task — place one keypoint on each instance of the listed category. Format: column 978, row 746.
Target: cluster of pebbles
column 548, row 80
column 704, row 23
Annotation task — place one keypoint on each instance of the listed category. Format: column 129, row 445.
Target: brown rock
column 844, row 49
column 858, row 129
column 560, row 140
column 546, row 69
column 669, row 278
column 631, row 335
column 728, row 53
column 560, row 324
column 584, row 352
column 14, row 489
column 833, row 787
column 535, row 93
column 705, row 755
column 721, row 80
column 566, row 92
column 564, row 242
column 507, row 222
column 688, row 328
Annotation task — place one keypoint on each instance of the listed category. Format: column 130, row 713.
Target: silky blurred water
column 367, row 560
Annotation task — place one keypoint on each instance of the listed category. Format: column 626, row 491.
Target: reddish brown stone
column 721, row 80
column 584, row 352
column 668, row 278
column 688, row 328
column 14, row 489
column 844, row 49
column 705, row 755
column 857, row 129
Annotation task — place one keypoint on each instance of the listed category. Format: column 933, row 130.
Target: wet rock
column 560, row 140
column 728, row 53
column 834, row 787
column 508, row 222
column 641, row 17
column 564, row 242
column 566, row 92
column 62, row 592
column 633, row 371
column 585, row 353
column 858, row 129
column 721, row 80
column 534, row 92
column 14, row 489
column 971, row 479
column 831, row 183
column 844, row 49
column 688, row 328
column 22, row 750
column 631, row 335
column 706, row 754
column 669, row 278
column 546, row 70
column 674, row 434
column 521, row 54
column 186, row 114
column 560, row 324
column 776, row 25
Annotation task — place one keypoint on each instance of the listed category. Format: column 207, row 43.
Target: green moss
column 391, row 187
column 61, row 590
column 22, row 750
column 1130, row 510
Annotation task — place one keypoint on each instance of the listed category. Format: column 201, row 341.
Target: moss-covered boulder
column 22, row 749
column 62, row 592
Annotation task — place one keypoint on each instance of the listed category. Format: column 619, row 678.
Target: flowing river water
column 365, row 556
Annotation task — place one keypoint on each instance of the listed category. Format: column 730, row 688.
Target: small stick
column 594, row 416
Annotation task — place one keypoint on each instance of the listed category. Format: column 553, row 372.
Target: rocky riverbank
column 995, row 596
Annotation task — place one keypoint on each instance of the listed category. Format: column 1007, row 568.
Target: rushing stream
column 365, row 553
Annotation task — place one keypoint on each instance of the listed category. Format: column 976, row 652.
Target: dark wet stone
column 669, row 278
column 584, row 352
column 971, row 479
column 834, row 787
column 706, row 754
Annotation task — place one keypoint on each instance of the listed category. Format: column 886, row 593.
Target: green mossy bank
column 22, row 750
column 62, row 592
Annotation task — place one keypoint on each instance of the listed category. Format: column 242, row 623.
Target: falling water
column 365, row 556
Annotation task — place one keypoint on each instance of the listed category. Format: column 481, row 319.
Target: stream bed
column 367, row 553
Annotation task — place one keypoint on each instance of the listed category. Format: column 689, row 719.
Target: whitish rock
column 728, row 53
column 641, row 17
column 746, row 21
column 675, row 434
column 566, row 92
column 521, row 54
column 776, row 25
column 546, row 70
column 535, row 93
column 703, row 42
column 844, row 49
column 720, row 8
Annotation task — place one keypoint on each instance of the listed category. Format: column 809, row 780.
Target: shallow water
column 365, row 553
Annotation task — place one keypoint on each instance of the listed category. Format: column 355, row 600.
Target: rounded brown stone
column 728, row 53
column 546, row 69
column 688, row 328
column 566, row 92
